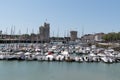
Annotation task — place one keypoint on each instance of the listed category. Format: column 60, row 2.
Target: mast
column 82, row 31
column 19, row 39
column 11, row 36
column 6, row 37
column 37, row 37
column 26, row 36
column 58, row 34
column 82, row 34
column 32, row 36
column 68, row 41
column 14, row 36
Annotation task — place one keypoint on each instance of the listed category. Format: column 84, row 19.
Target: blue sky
column 63, row 15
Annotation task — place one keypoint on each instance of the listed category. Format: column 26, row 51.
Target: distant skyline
column 93, row 16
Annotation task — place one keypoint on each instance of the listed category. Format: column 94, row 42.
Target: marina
column 59, row 39
column 58, row 52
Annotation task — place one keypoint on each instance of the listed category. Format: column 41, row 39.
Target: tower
column 44, row 32
column 73, row 35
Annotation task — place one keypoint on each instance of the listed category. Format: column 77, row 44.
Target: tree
column 119, row 36
column 25, row 36
column 112, row 37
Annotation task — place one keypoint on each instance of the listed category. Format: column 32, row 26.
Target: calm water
column 34, row 70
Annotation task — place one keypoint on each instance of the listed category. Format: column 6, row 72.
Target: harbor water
column 36, row 70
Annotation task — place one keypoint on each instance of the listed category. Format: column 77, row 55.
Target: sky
column 84, row 16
